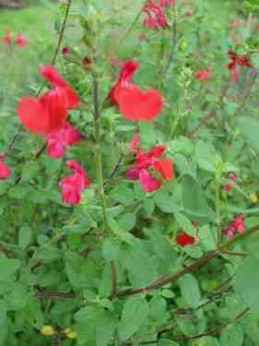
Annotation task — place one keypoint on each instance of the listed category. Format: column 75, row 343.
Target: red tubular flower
column 5, row 171
column 21, row 40
column 7, row 38
column 156, row 17
column 49, row 112
column 59, row 140
column 237, row 60
column 165, row 168
column 73, row 185
column 203, row 75
column 134, row 103
column 184, row 239
column 148, row 182
column 148, row 160
column 57, row 81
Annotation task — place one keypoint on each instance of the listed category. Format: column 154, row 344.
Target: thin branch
column 54, row 294
column 191, row 268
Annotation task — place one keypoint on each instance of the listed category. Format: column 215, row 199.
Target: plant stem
column 217, row 210
column 98, row 154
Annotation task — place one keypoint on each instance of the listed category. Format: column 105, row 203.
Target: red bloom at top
column 203, row 75
column 156, row 17
column 134, row 103
column 184, row 239
column 21, row 40
column 48, row 113
column 7, row 39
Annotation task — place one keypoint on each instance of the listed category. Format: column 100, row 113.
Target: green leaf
column 147, row 134
column 110, row 250
column 127, row 221
column 167, row 342
column 246, row 283
column 166, row 202
column 206, row 341
column 123, row 195
column 25, row 237
column 232, row 335
column 30, row 170
column 205, row 157
column 190, row 290
column 8, row 267
column 185, row 224
column 134, row 316
column 250, row 129
column 193, row 198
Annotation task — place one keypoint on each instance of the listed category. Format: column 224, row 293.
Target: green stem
column 98, row 154
column 217, row 210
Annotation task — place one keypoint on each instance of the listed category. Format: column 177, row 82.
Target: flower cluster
column 237, row 60
column 134, row 103
column 148, row 161
column 155, row 14
column 47, row 115
column 19, row 40
column 237, row 225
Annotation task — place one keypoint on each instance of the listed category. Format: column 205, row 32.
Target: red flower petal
column 135, row 104
column 51, row 74
column 31, row 114
column 165, row 168
column 184, row 239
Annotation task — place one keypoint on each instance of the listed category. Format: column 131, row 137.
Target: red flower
column 232, row 176
column 184, row 239
column 166, row 3
column 59, row 140
column 73, row 185
column 7, row 39
column 148, row 160
column 156, row 17
column 5, row 171
column 226, row 187
column 203, row 75
column 165, row 168
column 148, row 182
column 66, row 50
column 49, row 112
column 236, row 225
column 237, row 60
column 21, row 40
column 86, row 62
column 57, row 81
column 134, row 103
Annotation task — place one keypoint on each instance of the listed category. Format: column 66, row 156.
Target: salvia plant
column 129, row 168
